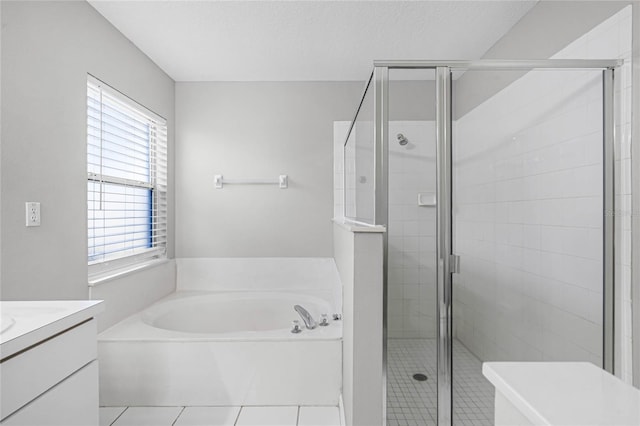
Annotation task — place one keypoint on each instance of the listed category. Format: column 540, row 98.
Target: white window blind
column 127, row 180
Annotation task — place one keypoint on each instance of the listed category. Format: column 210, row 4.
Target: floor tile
column 413, row 403
column 268, row 416
column 109, row 414
column 148, row 416
column 319, row 416
column 208, row 416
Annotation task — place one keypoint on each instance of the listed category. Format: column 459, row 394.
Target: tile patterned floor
column 220, row 416
column 413, row 403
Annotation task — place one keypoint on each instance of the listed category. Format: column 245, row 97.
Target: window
column 127, row 180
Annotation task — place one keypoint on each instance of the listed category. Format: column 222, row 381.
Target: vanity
column 48, row 362
column 560, row 393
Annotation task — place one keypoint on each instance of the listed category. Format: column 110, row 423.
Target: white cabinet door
column 72, row 402
column 29, row 374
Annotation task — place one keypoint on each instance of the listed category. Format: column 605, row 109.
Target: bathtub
column 237, row 315
column 224, row 348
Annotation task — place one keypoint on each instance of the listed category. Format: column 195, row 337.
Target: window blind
column 127, row 179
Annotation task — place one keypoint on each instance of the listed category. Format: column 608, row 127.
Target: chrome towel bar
column 282, row 181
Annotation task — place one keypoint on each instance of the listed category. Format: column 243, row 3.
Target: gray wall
column 47, row 50
column 256, row 130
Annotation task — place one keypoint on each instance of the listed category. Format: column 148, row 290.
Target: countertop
column 565, row 393
column 26, row 323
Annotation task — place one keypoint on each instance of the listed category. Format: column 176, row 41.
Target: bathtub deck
column 135, row 329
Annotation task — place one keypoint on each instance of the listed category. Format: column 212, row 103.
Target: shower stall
column 494, row 180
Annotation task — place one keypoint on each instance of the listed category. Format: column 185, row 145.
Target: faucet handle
column 324, row 321
column 296, row 327
column 337, row 317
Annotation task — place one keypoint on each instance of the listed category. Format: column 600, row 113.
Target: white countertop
column 565, row 393
column 26, row 323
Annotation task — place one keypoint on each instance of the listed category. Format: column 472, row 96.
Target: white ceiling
column 305, row 40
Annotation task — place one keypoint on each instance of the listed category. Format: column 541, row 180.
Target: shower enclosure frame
column 447, row 260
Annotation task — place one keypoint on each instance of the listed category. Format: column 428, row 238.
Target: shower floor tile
column 413, row 403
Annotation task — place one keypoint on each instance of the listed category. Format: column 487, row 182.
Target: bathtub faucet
column 309, row 322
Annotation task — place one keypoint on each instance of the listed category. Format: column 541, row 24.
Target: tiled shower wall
column 529, row 213
column 528, row 221
column 411, row 230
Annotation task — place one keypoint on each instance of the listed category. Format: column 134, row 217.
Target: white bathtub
column 223, row 348
column 237, row 315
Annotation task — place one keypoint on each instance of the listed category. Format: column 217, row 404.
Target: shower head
column 402, row 140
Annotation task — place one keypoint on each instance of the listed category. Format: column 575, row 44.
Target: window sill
column 114, row 274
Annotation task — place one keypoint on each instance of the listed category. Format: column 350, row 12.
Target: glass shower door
column 493, row 179
column 528, row 225
column 411, row 231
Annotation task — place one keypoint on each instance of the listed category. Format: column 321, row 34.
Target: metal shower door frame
column 447, row 261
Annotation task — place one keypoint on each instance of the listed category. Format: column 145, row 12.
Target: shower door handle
column 454, row 263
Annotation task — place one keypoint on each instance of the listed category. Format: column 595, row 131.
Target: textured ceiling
column 305, row 40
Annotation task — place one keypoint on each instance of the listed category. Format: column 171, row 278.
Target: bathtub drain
column 419, row 377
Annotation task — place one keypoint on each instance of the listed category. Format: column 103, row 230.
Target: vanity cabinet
column 52, row 378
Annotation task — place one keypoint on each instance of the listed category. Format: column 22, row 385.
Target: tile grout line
column 118, row 416
column 238, row 415
column 178, row 416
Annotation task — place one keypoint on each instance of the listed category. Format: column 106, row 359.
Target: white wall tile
column 411, row 232
column 552, row 238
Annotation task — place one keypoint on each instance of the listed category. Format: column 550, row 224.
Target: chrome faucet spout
column 309, row 322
